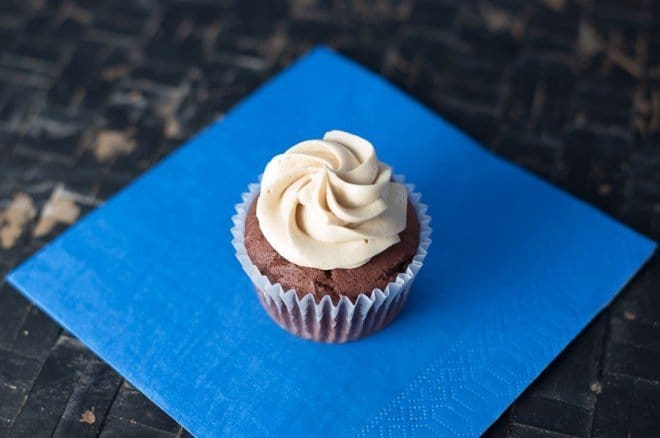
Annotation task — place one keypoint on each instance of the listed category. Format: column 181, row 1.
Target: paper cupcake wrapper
column 325, row 321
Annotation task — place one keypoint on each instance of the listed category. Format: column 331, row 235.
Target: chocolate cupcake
column 331, row 241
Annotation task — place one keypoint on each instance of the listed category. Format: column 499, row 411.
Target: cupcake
column 330, row 239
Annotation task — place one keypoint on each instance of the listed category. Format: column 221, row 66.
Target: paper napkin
column 516, row 269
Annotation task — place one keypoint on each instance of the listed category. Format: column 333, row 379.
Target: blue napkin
column 516, row 269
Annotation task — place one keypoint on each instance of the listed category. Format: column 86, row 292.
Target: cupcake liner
column 325, row 321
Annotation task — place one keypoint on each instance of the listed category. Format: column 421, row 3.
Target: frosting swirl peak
column 330, row 203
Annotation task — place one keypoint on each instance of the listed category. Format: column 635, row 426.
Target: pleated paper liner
column 325, row 321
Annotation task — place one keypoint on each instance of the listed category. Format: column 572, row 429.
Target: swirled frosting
column 330, row 203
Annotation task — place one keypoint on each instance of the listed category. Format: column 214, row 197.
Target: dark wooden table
column 93, row 93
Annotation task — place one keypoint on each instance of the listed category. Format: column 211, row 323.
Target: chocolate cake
column 376, row 273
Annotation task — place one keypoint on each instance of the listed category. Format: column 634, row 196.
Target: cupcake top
column 330, row 203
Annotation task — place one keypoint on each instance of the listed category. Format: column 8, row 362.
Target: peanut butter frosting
column 330, row 203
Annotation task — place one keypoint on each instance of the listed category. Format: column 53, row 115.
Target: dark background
column 93, row 93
